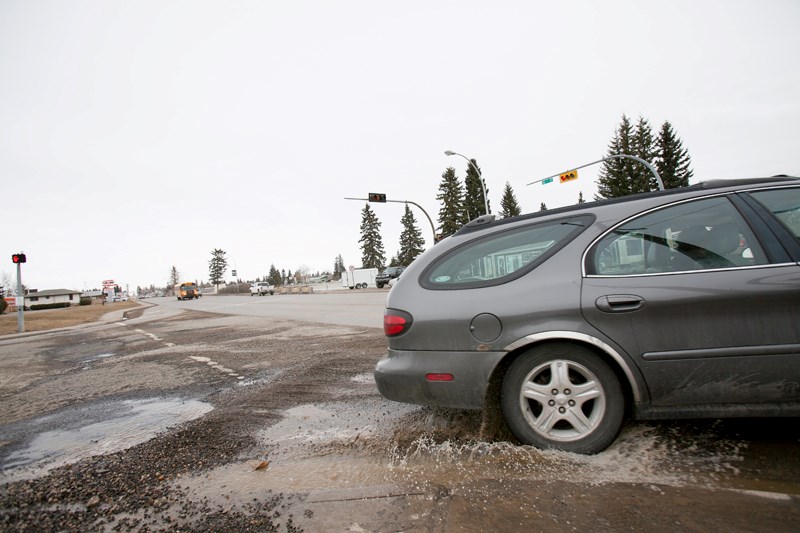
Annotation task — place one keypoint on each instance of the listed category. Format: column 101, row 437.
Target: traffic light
column 18, row 258
column 377, row 197
column 568, row 176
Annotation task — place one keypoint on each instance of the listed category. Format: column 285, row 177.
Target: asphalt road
column 343, row 307
column 229, row 418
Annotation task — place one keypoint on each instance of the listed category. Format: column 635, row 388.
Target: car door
column 706, row 303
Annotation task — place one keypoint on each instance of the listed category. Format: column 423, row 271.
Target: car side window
column 695, row 235
column 502, row 256
column 784, row 204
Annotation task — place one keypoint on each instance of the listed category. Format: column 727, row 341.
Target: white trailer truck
column 359, row 278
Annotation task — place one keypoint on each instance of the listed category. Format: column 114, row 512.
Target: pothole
column 115, row 427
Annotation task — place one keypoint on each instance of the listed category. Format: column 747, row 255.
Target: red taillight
column 439, row 377
column 395, row 322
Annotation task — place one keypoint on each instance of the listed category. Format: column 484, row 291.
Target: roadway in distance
column 362, row 308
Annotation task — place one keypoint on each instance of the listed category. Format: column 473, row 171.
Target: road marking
column 152, row 336
column 213, row 364
column 198, row 358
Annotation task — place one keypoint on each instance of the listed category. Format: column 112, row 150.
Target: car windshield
column 502, row 256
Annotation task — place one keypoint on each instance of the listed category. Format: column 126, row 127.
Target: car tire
column 563, row 397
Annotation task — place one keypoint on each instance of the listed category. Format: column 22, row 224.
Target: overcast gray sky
column 138, row 135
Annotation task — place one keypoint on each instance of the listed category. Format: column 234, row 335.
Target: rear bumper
column 400, row 376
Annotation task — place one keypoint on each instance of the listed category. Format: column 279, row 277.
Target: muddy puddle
column 111, row 427
column 391, row 448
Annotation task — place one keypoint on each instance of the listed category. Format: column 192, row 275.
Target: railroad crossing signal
column 568, row 176
column 18, row 258
column 377, row 197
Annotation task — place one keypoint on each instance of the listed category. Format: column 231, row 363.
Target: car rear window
column 503, row 256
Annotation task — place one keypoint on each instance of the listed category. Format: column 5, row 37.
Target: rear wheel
column 563, row 397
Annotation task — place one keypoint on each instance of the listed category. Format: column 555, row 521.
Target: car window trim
column 699, row 271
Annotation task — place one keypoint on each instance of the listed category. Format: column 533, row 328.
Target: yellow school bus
column 187, row 291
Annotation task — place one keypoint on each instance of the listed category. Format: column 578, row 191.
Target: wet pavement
column 194, row 421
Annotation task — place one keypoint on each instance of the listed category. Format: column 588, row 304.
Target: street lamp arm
column 480, row 177
column 433, row 229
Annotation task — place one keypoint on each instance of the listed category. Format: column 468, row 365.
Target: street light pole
column 480, row 178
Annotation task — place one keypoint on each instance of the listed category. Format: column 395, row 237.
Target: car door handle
column 620, row 303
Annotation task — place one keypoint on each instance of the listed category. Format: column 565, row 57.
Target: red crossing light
column 18, row 258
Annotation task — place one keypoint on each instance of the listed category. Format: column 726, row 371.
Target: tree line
column 462, row 201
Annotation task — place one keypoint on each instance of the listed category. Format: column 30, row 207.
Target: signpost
column 18, row 259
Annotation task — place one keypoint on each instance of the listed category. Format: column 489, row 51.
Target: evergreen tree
column 174, row 277
column 217, row 267
column 623, row 176
column 580, row 198
column 614, row 179
column 274, row 277
column 283, row 276
column 372, row 252
column 644, row 148
column 474, row 206
column 672, row 160
column 411, row 242
column 395, row 261
column 508, row 204
column 543, row 207
column 338, row 267
column 451, row 195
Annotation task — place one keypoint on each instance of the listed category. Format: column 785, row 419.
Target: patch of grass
column 61, row 318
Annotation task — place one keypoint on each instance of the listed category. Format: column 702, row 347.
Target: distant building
column 52, row 296
column 96, row 295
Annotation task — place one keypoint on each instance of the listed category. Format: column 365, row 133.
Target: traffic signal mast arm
column 561, row 175
column 384, row 200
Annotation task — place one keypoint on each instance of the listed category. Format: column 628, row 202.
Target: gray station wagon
column 682, row 303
